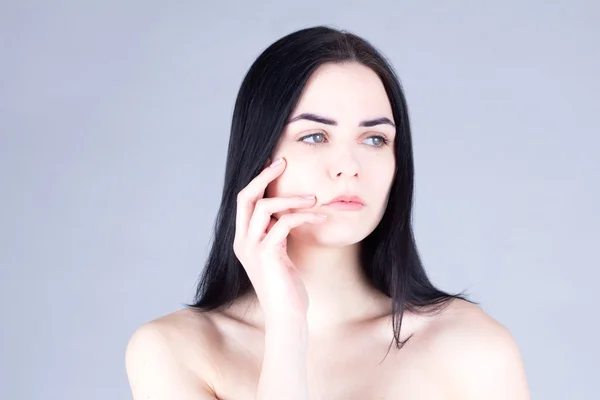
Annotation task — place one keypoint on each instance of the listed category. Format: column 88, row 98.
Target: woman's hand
column 260, row 244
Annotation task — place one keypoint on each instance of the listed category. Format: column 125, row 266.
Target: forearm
column 284, row 368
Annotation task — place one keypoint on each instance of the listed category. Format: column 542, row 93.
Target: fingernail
column 308, row 197
column 276, row 162
column 321, row 215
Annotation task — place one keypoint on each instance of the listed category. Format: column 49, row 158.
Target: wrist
column 287, row 325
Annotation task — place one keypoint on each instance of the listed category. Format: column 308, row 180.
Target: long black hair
column 267, row 97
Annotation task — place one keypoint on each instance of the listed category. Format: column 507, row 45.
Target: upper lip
column 347, row 198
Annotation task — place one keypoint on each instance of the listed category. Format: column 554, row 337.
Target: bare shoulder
column 169, row 357
column 478, row 355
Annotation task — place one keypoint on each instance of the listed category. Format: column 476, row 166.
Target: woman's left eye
column 380, row 141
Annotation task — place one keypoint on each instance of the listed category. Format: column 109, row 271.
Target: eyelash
column 384, row 140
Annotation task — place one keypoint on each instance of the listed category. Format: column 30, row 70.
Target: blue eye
column 379, row 141
column 313, row 136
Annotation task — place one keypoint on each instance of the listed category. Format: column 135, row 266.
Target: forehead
column 346, row 92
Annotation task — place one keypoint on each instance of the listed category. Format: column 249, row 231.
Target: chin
column 329, row 236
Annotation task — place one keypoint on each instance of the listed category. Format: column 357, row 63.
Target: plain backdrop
column 114, row 125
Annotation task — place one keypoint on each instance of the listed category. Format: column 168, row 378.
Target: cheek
column 287, row 184
column 386, row 176
column 380, row 179
column 292, row 182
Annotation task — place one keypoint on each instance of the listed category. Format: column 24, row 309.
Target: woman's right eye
column 314, row 136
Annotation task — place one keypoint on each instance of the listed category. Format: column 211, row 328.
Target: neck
column 338, row 292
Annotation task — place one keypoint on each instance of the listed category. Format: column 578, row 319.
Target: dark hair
column 267, row 96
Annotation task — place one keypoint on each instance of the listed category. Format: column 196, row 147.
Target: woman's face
column 339, row 157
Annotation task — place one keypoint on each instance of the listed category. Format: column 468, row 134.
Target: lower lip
column 346, row 205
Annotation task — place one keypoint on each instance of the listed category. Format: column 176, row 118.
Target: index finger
column 254, row 191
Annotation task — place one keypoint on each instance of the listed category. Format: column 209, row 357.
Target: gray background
column 114, row 121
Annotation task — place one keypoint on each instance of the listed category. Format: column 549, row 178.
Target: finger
column 264, row 208
column 250, row 194
column 282, row 228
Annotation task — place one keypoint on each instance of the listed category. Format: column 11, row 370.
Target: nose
column 345, row 166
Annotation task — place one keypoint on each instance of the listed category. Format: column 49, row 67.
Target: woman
column 314, row 272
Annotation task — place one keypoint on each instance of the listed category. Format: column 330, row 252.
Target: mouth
column 347, row 199
column 345, row 205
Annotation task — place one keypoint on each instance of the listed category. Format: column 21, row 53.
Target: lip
column 345, row 205
column 346, row 202
column 347, row 198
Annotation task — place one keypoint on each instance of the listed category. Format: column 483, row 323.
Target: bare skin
column 221, row 353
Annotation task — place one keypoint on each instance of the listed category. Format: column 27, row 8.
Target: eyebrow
column 328, row 121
